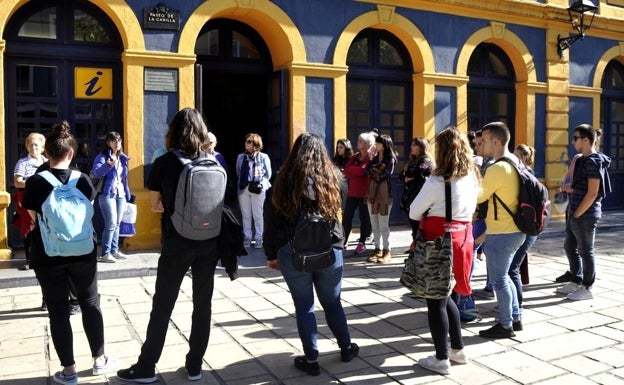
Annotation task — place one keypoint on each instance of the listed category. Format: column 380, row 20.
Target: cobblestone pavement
column 254, row 337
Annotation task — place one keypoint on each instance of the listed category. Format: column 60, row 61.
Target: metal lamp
column 577, row 13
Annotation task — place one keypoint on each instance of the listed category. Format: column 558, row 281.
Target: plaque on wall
column 161, row 79
column 161, row 17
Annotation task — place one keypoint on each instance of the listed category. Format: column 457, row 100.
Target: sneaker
column 484, row 293
column 258, row 244
column 516, row 325
column 134, row 375
column 360, row 248
column 497, row 331
column 193, row 377
column 370, row 240
column 385, row 257
column 25, row 266
column 62, row 378
column 581, row 294
column 120, row 255
column 107, row 258
column 109, row 365
column 376, row 255
column 571, row 287
column 565, row 277
column 312, row 368
column 458, row 356
column 348, row 354
column 435, row 365
column 247, row 243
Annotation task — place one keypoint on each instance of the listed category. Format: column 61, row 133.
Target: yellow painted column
column 5, row 197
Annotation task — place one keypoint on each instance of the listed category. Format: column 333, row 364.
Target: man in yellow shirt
column 503, row 236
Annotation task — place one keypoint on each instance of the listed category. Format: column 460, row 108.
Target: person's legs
column 351, row 205
column 244, row 203
column 300, row 285
column 374, row 221
column 518, row 258
column 365, row 222
column 584, row 230
column 108, row 208
column 257, row 208
column 384, row 229
column 172, row 266
column 84, row 279
column 501, row 248
column 570, row 246
column 120, row 207
column 54, row 284
column 203, row 270
column 328, row 285
column 438, row 325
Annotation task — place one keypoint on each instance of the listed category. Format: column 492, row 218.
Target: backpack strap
column 447, row 198
column 48, row 176
column 495, row 197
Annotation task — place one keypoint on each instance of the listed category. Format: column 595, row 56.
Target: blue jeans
column 500, row 252
column 514, row 269
column 328, row 284
column 112, row 209
column 579, row 248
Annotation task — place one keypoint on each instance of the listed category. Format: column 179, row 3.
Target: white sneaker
column 106, row 258
column 581, row 294
column 458, row 356
column 435, row 365
column 568, row 288
column 120, row 255
column 109, row 365
column 258, row 244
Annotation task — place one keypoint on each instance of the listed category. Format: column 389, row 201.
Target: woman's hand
column 273, row 264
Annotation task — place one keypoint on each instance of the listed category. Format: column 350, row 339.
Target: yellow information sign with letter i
column 93, row 83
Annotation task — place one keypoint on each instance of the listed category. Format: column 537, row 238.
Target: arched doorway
column 379, row 95
column 63, row 62
column 237, row 91
column 612, row 124
column 491, row 88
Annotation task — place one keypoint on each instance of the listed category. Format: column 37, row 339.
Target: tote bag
column 428, row 270
column 128, row 220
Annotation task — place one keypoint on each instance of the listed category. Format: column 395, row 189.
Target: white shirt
column 464, row 192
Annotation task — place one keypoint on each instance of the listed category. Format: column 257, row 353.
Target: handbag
column 428, row 270
column 255, row 187
column 128, row 219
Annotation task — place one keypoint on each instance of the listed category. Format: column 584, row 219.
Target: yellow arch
column 525, row 73
column 419, row 52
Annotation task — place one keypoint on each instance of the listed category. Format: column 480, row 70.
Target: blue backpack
column 66, row 218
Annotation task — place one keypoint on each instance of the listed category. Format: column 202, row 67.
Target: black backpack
column 312, row 242
column 533, row 213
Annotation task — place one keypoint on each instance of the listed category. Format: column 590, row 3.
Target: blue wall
column 319, row 109
column 445, row 107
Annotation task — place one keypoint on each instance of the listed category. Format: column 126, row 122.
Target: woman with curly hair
column 454, row 165
column 308, row 181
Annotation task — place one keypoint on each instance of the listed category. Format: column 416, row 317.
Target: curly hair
column 307, row 165
column 453, row 156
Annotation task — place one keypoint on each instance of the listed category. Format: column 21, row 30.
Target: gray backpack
column 199, row 197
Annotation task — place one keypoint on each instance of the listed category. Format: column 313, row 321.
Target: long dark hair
column 187, row 132
column 60, row 141
column 307, row 162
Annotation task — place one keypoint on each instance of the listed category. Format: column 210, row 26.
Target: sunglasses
column 578, row 137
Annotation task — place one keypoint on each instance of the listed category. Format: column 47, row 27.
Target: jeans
column 251, row 207
column 579, row 248
column 514, row 269
column 380, row 227
column 328, row 284
column 172, row 268
column 352, row 204
column 55, row 283
column 112, row 209
column 500, row 251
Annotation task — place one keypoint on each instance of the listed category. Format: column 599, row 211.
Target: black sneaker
column 347, row 354
column 565, row 277
column 517, row 326
column 497, row 331
column 312, row 368
column 133, row 374
column 25, row 266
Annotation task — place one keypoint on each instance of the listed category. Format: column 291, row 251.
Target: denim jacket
column 263, row 162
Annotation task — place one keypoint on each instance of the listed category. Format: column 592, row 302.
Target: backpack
column 199, row 197
column 312, row 242
column 533, row 213
column 66, row 218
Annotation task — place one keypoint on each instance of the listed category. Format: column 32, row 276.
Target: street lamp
column 576, row 12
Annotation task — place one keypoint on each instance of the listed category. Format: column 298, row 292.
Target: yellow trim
column 524, row 69
column 126, row 22
column 420, row 54
column 613, row 53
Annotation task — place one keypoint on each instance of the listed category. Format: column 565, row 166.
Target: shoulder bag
column 428, row 270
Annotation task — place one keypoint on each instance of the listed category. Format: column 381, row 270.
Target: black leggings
column 444, row 320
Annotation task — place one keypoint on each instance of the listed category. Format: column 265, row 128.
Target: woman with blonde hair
column 308, row 181
column 454, row 165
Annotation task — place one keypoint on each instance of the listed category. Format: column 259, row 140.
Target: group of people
column 309, row 180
